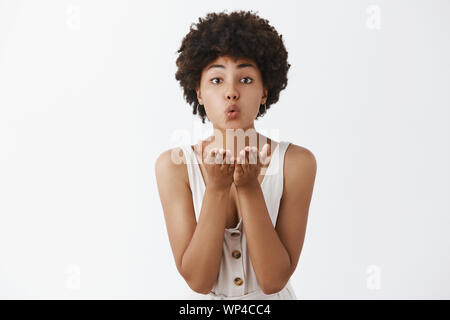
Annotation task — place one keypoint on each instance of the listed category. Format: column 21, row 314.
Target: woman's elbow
column 197, row 285
column 273, row 287
column 271, row 290
column 199, row 288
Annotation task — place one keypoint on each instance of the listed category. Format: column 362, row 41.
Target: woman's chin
column 233, row 126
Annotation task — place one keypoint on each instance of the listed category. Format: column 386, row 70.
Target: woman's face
column 226, row 82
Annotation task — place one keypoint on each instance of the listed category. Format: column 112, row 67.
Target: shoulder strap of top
column 273, row 187
column 282, row 152
column 189, row 161
column 195, row 178
column 277, row 159
column 188, row 154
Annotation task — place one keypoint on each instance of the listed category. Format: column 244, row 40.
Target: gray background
column 88, row 100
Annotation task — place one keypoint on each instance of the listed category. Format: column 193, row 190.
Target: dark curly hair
column 240, row 34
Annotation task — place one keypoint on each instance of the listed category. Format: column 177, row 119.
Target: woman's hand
column 220, row 167
column 248, row 166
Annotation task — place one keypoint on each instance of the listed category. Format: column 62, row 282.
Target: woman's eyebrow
column 240, row 66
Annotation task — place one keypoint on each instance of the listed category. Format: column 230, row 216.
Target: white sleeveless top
column 236, row 278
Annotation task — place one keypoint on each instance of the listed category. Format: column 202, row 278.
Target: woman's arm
column 270, row 259
column 197, row 247
column 202, row 258
column 275, row 251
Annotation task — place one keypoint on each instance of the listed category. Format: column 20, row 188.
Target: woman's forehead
column 223, row 62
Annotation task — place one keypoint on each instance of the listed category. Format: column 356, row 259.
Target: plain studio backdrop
column 88, row 100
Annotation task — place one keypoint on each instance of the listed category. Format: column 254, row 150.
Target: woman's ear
column 199, row 96
column 264, row 97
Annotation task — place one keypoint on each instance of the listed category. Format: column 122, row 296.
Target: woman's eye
column 219, row 79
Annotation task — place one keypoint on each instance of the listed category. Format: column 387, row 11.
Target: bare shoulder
column 171, row 164
column 300, row 166
column 300, row 156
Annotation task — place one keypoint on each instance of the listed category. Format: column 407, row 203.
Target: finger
column 242, row 157
column 207, row 157
column 231, row 164
column 234, row 164
column 244, row 162
column 259, row 158
column 253, row 157
column 219, row 156
column 264, row 154
column 228, row 157
column 247, row 157
column 239, row 158
column 232, row 160
column 211, row 155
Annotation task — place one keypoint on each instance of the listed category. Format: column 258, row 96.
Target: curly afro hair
column 240, row 34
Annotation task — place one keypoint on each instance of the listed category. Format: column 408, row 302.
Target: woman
column 236, row 213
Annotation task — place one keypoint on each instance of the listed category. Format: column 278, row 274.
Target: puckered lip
column 231, row 107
